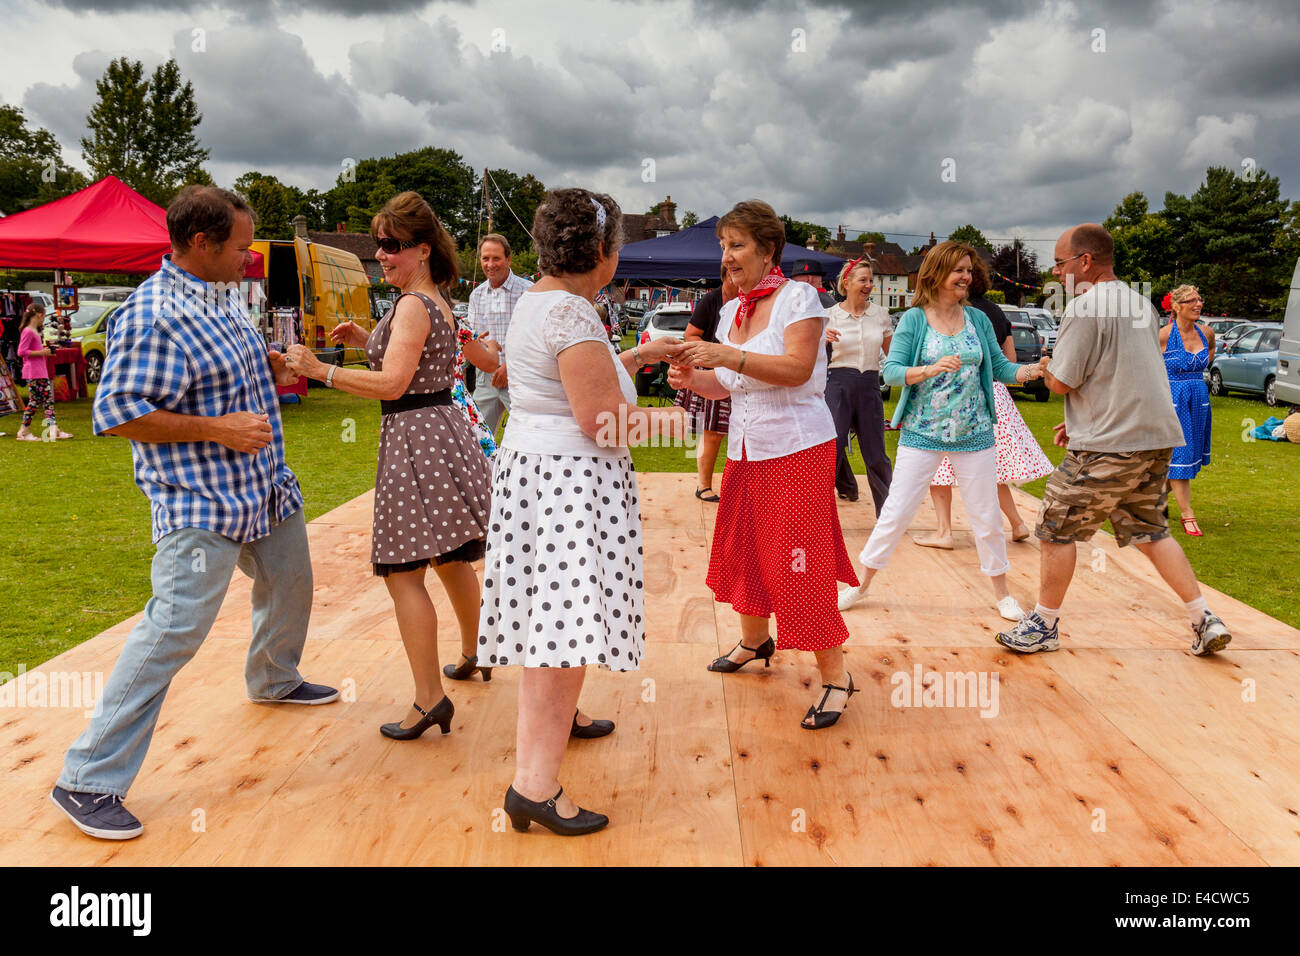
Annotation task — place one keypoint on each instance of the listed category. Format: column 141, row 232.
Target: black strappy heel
column 466, row 670
column 440, row 715
column 523, row 812
column 764, row 652
column 826, row 718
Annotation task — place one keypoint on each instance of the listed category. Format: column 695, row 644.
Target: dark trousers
column 854, row 400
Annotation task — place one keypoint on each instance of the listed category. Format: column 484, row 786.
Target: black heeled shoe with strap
column 465, row 670
column 823, row 718
column 440, row 715
column 597, row 728
column 764, row 652
column 523, row 812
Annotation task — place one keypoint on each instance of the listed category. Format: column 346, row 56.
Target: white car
column 667, row 320
column 1042, row 320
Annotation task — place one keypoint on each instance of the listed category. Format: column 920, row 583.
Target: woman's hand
column 949, row 363
column 349, row 333
column 1031, row 372
column 659, row 350
column 679, row 376
column 832, row 335
column 707, row 355
column 300, row 360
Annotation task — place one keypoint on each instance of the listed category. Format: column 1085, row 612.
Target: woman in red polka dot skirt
column 777, row 544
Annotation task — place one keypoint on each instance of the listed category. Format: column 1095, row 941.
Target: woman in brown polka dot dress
column 432, row 487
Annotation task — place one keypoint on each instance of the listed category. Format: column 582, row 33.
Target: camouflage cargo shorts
column 1090, row 486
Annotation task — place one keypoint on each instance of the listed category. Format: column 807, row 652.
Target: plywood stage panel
column 1120, row 749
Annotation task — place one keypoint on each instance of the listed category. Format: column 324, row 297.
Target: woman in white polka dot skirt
column 432, row 483
column 562, row 587
column 777, row 545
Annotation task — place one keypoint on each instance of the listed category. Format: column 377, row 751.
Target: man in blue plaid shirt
column 190, row 382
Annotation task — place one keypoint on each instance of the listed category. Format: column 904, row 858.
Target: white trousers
column 976, row 473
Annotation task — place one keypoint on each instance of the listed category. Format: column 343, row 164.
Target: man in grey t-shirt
column 1120, row 428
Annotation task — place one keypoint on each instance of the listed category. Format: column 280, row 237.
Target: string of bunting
column 1014, row 282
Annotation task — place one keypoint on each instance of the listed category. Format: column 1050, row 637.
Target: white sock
column 1196, row 609
column 1050, row 615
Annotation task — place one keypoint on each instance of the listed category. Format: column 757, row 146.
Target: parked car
column 1221, row 325
column 1029, row 349
column 1237, row 331
column 1249, row 364
column 1287, row 385
column 666, row 320
column 104, row 293
column 460, row 310
column 90, row 329
column 1038, row 319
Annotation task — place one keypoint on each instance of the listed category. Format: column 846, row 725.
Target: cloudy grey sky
column 832, row 110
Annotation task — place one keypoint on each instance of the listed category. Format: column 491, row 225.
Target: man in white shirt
column 1120, row 428
column 490, row 307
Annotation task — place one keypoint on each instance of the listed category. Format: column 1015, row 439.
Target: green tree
column 511, row 191
column 1014, row 263
column 1223, row 237
column 143, row 131
column 440, row 176
column 797, row 232
column 273, row 202
column 32, row 170
column 1144, row 249
column 1286, row 241
column 971, row 236
column 691, row 218
column 877, row 237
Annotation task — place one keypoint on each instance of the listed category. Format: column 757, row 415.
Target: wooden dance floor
column 1119, row 749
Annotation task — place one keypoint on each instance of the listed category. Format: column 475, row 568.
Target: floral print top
column 949, row 412
column 460, row 395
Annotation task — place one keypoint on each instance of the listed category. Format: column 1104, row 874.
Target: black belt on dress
column 416, row 400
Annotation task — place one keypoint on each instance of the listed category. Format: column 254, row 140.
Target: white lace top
column 770, row 421
column 543, row 325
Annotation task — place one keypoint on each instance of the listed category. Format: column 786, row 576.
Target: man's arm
column 240, row 431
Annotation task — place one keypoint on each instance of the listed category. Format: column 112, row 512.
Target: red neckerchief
column 766, row 286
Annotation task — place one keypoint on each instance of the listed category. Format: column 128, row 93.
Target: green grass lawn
column 78, row 555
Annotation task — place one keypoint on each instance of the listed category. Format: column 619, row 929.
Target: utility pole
column 488, row 197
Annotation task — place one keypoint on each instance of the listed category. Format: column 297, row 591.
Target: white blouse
column 541, row 420
column 860, row 338
column 771, row 421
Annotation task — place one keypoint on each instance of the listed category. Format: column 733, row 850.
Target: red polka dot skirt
column 778, row 548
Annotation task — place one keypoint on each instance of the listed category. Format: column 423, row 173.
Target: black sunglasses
column 394, row 246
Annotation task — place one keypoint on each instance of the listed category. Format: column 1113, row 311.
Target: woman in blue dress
column 1188, row 348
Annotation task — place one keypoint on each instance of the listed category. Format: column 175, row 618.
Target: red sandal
column 1191, row 528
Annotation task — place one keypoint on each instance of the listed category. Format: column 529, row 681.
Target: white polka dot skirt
column 562, row 583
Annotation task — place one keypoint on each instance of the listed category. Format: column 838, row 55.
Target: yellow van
column 323, row 284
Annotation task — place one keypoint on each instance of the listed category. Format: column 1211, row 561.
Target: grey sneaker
column 1211, row 635
column 1030, row 636
column 97, row 814
column 304, row 693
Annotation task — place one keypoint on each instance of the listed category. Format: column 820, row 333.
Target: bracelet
column 741, row 367
column 329, row 377
column 636, row 354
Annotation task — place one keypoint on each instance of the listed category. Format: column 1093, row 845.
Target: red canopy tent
column 107, row 227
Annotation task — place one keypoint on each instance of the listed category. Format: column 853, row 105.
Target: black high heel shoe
column 466, row 670
column 440, row 715
column 523, row 812
column 764, row 652
column 597, row 728
column 826, row 718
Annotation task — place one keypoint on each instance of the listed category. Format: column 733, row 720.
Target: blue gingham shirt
column 490, row 309
column 180, row 345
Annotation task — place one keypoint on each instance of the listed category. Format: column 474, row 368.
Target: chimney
column 839, row 234
column 871, row 249
column 668, row 212
column 300, row 225
column 812, row 243
column 341, row 227
column 932, row 241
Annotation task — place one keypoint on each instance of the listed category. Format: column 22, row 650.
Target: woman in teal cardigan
column 946, row 357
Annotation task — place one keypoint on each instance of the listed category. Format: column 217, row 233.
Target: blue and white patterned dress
column 1191, row 402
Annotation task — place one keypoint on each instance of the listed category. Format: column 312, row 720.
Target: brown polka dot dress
column 433, row 485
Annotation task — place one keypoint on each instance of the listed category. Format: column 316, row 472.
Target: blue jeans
column 191, row 572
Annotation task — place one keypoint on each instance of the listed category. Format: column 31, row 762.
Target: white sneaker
column 1010, row 609
column 850, row 597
